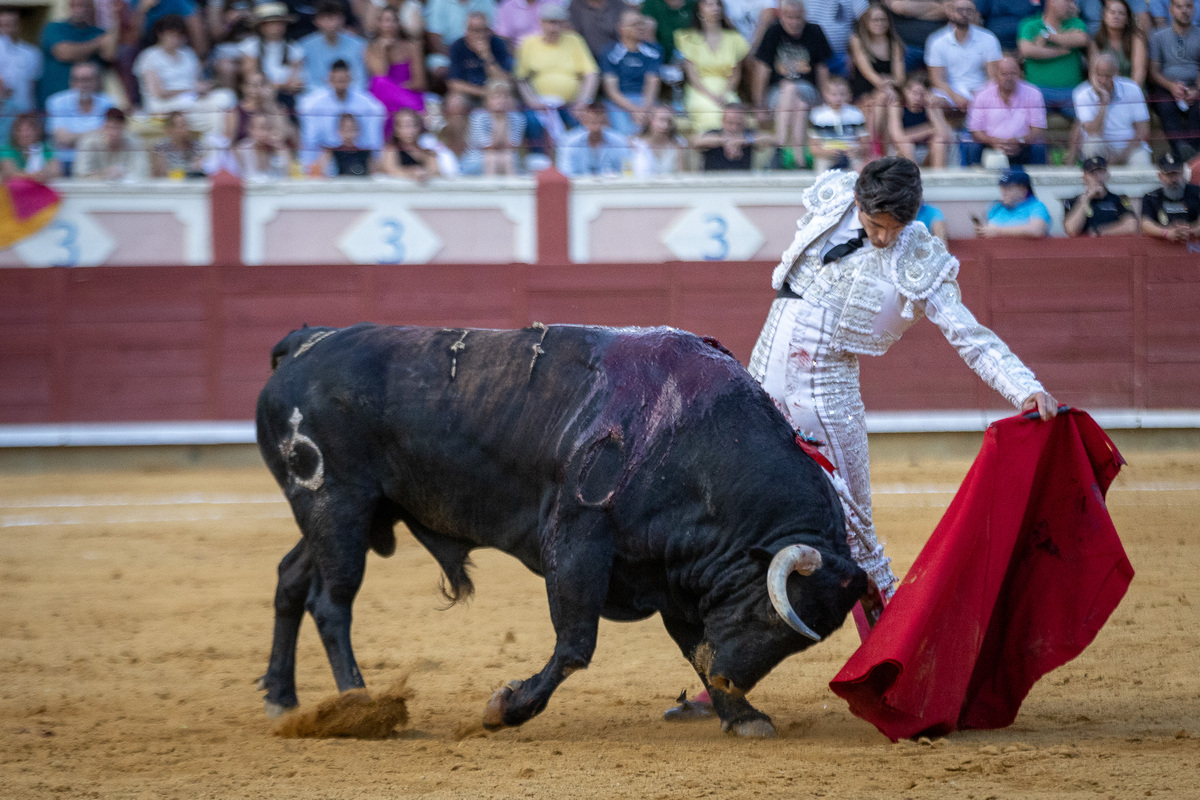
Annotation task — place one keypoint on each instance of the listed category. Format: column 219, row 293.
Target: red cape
column 1019, row 576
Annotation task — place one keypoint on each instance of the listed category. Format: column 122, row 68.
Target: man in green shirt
column 1053, row 45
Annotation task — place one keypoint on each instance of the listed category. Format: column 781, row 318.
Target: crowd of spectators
column 124, row 89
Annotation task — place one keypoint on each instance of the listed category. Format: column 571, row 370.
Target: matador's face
column 882, row 228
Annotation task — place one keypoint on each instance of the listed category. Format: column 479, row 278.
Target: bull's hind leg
column 577, row 558
column 295, row 578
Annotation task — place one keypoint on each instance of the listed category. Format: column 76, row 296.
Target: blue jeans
column 1059, row 101
column 621, row 120
column 1032, row 153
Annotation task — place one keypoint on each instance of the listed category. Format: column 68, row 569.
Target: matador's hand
column 1042, row 402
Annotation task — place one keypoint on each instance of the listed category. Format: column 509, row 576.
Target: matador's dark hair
column 892, row 186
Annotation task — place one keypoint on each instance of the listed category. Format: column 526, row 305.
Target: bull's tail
column 296, row 343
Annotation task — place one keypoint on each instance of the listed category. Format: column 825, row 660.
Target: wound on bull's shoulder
column 455, row 349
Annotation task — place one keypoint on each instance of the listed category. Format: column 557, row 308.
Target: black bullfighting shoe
column 689, row 710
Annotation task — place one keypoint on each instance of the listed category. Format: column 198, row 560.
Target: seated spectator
column 629, row 71
column 270, row 52
column 793, row 61
column 877, row 69
column 1008, row 116
column 477, row 60
column 255, row 96
column 1053, row 46
column 1113, row 115
column 750, row 18
column 838, row 130
column 516, row 19
column 669, row 16
column 1160, row 15
column 28, row 153
column 712, row 52
column 1172, row 211
column 1175, row 79
column 148, row 13
column 915, row 21
column 1004, row 17
column 347, row 159
column 170, row 79
column 1098, row 211
column 20, row 68
column 838, row 19
column 918, row 127
column 659, row 147
column 72, row 41
column 446, row 23
column 729, row 148
column 263, row 155
column 178, row 155
column 321, row 109
column 1018, row 214
column 76, row 111
column 396, row 65
column 494, row 134
column 555, row 74
column 933, row 219
column 112, row 153
column 593, row 148
column 961, row 56
column 596, row 21
column 330, row 43
column 231, row 22
column 404, row 156
column 1119, row 35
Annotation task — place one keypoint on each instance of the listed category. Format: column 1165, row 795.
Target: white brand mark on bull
column 310, row 341
column 288, row 448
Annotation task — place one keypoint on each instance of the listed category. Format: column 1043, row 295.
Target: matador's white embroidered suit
column 806, row 357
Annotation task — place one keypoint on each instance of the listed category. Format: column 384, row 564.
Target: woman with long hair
column 263, row 155
column 255, row 95
column 713, row 53
column 658, row 148
column 1119, row 35
column 28, row 153
column 396, row 65
column 877, row 57
column 915, row 122
column 403, row 156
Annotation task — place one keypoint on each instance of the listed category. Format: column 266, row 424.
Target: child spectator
column 347, row 159
column 1098, row 211
column 1018, row 214
column 1113, row 115
column 1172, row 211
column 657, row 150
column 112, row 153
column 28, row 154
column 76, row 111
column 630, row 75
column 281, row 61
column 494, row 134
column 712, row 51
column 877, row 58
column 1053, row 45
column 1175, row 79
column 731, row 147
column 593, row 148
column 177, row 156
column 1119, row 35
column 918, row 127
column 403, row 156
column 263, row 155
column 1008, row 116
column 838, row 130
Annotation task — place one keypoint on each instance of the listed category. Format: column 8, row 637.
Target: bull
column 636, row 470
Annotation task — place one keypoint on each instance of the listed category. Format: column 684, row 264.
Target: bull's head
column 798, row 558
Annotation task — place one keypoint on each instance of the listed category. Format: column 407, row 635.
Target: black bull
column 638, row 471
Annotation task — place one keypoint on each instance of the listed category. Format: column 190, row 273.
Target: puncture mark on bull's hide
column 455, row 349
column 302, row 456
column 537, row 347
column 601, row 471
column 310, row 341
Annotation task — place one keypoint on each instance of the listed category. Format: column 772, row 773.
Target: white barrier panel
column 389, row 221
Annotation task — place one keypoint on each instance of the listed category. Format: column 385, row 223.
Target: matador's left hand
column 1042, row 402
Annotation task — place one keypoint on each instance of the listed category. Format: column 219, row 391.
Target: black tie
column 844, row 249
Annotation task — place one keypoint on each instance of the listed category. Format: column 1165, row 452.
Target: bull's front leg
column 295, row 578
column 578, row 562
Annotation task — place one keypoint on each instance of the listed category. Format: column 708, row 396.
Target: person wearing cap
column 269, row 52
column 1019, row 213
column 555, row 71
column 112, row 153
column 1098, row 211
column 1172, row 211
column 1113, row 115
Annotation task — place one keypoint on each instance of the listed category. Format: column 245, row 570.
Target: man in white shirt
column 75, row 112
column 961, row 57
column 321, row 109
column 20, row 68
column 1113, row 113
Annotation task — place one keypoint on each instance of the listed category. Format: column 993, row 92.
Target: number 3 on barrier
column 68, row 241
column 393, row 238
column 716, row 230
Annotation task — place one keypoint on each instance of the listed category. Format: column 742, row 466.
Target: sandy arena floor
column 135, row 614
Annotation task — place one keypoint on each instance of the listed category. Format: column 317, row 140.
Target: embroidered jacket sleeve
column 935, row 292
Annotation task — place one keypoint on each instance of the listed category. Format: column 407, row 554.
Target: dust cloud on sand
column 355, row 714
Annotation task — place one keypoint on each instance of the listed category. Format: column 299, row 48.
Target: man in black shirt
column 1173, row 211
column 792, row 60
column 1098, row 212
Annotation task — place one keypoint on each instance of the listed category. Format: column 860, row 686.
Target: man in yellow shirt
column 555, row 73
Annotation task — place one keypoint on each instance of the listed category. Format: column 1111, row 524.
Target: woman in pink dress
column 396, row 65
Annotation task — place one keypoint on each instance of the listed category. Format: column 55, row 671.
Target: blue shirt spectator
column 1161, row 13
column 592, row 148
column 1019, row 213
column 331, row 43
column 934, row 220
column 1025, row 211
column 74, row 112
column 1003, row 17
column 466, row 65
column 630, row 71
column 57, row 60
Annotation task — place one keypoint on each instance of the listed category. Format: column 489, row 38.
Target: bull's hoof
column 261, row 683
column 493, row 713
column 275, row 710
column 751, row 729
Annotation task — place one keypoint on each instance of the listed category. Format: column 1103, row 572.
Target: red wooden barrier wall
column 1105, row 323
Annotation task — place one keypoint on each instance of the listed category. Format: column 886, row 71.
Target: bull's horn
column 799, row 558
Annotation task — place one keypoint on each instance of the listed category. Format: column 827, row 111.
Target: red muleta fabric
column 1017, row 579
